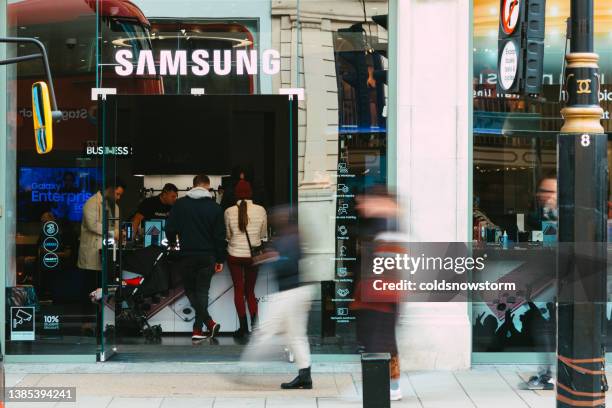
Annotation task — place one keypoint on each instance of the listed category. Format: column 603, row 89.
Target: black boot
column 243, row 331
column 303, row 381
column 253, row 321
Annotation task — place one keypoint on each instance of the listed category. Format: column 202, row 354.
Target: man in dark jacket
column 198, row 221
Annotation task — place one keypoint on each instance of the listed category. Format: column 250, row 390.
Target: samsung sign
column 248, row 62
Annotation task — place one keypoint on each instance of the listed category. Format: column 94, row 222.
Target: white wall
column 433, row 143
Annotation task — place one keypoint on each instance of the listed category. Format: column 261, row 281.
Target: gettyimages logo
column 411, row 264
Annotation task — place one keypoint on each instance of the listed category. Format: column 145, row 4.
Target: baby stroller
column 145, row 276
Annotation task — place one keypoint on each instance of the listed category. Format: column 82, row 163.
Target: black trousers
column 197, row 272
column 90, row 282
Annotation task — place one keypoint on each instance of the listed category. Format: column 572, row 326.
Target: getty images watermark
column 447, row 272
column 414, row 264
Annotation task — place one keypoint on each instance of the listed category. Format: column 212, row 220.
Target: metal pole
column 45, row 60
column 582, row 198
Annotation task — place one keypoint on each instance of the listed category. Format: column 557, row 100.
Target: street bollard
column 376, row 382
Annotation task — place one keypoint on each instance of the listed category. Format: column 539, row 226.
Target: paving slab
column 532, row 399
column 438, row 389
column 339, row 403
column 240, row 402
column 122, row 402
column 183, row 385
column 187, row 402
column 86, row 402
column 489, row 389
column 291, row 402
column 30, row 404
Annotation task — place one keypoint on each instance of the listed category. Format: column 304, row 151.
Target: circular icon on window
column 50, row 260
column 50, row 228
column 50, row 244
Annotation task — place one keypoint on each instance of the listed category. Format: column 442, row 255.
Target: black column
column 582, row 199
column 582, row 26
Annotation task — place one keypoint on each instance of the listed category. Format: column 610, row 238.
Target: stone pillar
column 433, row 165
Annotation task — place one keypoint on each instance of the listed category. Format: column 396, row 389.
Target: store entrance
column 154, row 144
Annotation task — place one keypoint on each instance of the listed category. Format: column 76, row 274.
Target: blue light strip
column 355, row 129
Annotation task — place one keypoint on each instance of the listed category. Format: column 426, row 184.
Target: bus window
column 68, row 31
column 208, row 36
column 70, row 46
column 120, row 33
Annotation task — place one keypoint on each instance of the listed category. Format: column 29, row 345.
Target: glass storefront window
column 47, row 310
column 332, row 143
column 514, row 173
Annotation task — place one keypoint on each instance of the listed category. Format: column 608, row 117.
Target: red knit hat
column 243, row 190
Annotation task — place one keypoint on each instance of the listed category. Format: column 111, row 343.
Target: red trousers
column 244, row 276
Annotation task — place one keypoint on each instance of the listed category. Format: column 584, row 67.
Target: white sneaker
column 396, row 394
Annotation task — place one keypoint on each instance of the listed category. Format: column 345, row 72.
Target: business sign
column 22, row 323
column 198, row 62
column 93, row 150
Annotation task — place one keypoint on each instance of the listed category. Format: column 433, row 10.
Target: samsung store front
column 294, row 101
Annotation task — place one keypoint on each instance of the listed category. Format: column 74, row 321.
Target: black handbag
column 255, row 251
column 261, row 255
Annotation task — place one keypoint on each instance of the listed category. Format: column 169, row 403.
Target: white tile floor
column 481, row 387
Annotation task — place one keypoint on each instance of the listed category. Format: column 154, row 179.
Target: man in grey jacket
column 198, row 222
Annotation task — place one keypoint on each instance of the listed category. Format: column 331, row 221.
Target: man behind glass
column 157, row 207
column 198, row 222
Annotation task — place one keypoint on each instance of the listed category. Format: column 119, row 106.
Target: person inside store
column 196, row 224
column 238, row 173
column 69, row 183
column 157, row 207
column 246, row 226
column 546, row 202
column 220, row 193
column 246, row 173
column 90, row 260
column 68, row 186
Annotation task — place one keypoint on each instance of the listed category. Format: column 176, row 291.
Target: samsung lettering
column 247, row 62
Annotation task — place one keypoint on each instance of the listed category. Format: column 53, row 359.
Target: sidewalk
column 185, row 385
